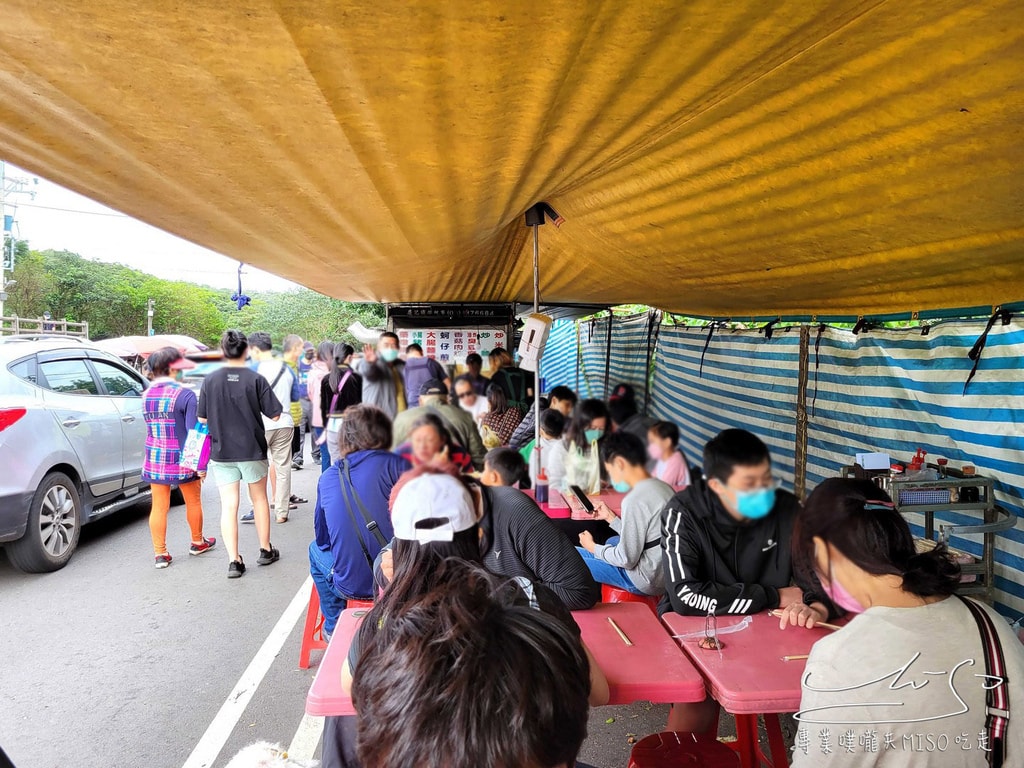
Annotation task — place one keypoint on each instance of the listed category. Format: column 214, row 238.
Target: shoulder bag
column 345, row 479
column 997, row 693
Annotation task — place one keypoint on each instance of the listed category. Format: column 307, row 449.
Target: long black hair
column 859, row 519
column 341, row 353
column 576, row 432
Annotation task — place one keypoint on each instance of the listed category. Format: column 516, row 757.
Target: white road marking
column 217, row 734
column 307, row 738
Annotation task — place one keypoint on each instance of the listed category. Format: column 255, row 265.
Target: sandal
column 298, row 500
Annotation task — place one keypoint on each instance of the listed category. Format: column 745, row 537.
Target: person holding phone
column 631, row 560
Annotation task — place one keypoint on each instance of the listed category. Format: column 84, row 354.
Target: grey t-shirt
column 901, row 687
column 639, row 525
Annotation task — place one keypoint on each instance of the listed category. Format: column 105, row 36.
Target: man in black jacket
column 727, row 537
column 726, row 547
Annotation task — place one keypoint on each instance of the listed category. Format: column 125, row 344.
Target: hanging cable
column 979, row 345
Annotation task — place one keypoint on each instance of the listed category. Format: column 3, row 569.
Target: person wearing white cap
column 436, row 525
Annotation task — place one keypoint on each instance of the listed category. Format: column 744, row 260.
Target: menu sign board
column 451, row 345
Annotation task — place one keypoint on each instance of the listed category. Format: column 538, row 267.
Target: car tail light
column 10, row 415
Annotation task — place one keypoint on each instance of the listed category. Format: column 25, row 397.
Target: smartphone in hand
column 583, row 499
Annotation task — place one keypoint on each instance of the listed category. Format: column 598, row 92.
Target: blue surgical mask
column 621, row 486
column 389, row 355
column 593, row 434
column 755, row 504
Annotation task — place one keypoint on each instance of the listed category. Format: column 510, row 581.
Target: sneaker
column 206, row 546
column 248, row 517
column 236, row 568
column 296, row 466
column 268, row 556
column 162, row 561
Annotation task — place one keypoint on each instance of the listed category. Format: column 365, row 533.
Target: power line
column 73, row 210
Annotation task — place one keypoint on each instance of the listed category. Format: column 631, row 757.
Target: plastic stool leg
column 310, row 629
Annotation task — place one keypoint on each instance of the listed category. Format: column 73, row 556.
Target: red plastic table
column 611, row 498
column 325, row 696
column 652, row 669
column 749, row 678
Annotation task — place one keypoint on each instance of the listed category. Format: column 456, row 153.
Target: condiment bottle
column 540, row 493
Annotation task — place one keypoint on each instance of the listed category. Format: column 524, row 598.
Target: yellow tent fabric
column 727, row 159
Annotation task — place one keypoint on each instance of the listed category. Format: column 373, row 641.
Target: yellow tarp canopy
column 719, row 158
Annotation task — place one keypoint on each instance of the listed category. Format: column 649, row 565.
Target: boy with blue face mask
column 631, row 560
column 726, row 546
column 727, row 537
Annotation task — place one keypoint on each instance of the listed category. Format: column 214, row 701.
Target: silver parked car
column 72, row 442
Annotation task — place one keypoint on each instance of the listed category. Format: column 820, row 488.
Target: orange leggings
column 162, row 503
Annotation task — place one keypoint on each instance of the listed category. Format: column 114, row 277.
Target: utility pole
column 149, row 318
column 9, row 185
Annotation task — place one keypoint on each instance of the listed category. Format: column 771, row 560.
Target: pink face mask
column 654, row 451
column 838, row 594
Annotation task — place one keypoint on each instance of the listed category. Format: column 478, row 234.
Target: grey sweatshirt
column 379, row 384
column 640, row 523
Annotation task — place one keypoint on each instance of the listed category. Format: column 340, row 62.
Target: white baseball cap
column 432, row 507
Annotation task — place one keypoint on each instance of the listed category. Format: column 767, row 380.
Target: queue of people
column 412, row 513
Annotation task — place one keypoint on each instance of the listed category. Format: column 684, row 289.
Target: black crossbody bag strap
column 997, row 693
column 371, row 524
column 277, row 378
column 355, row 523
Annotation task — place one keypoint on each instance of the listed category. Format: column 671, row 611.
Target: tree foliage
column 113, row 299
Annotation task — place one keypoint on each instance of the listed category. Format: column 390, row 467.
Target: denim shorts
column 228, row 472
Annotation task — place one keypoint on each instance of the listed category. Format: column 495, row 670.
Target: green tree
column 311, row 315
column 29, row 296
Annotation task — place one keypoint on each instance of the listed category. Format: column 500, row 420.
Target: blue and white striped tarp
column 883, row 390
column 577, row 353
column 559, row 366
column 628, row 360
column 748, row 382
column 895, row 391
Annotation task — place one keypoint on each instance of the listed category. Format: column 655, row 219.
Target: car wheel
column 54, row 525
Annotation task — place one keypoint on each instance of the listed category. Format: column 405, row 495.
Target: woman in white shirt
column 903, row 684
column 575, row 460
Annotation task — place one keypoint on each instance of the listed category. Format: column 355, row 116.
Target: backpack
column 518, row 384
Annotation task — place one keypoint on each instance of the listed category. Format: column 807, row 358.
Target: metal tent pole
column 536, row 373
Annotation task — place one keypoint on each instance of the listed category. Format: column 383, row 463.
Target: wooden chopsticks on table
column 622, row 634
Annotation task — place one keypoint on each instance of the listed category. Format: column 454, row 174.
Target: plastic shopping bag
column 196, row 453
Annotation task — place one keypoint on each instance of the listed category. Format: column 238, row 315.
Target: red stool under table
column 672, row 750
column 312, row 631
column 610, row 594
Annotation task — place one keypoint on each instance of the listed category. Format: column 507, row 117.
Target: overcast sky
column 63, row 220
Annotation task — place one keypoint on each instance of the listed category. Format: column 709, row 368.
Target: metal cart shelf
column 970, row 494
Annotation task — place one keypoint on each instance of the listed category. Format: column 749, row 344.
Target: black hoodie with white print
column 716, row 564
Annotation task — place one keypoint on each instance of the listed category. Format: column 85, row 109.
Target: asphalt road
column 110, row 662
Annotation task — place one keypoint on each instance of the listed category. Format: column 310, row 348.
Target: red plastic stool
column 671, row 750
column 610, row 594
column 312, row 632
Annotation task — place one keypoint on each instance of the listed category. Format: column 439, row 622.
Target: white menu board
column 451, row 345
